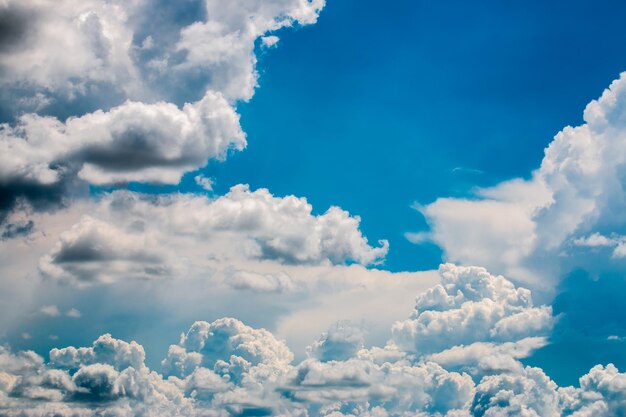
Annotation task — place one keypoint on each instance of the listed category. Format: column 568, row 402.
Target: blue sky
column 411, row 101
column 280, row 181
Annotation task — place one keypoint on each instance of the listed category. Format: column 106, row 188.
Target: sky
column 312, row 208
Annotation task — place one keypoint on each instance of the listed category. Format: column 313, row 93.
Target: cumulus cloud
column 228, row 368
column 129, row 47
column 529, row 229
column 471, row 305
column 342, row 341
column 135, row 141
column 40, row 34
column 118, row 110
column 204, row 182
column 137, row 236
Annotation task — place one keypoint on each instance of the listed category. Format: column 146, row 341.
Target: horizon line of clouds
column 227, row 368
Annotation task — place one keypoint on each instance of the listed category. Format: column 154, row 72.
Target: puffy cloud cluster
column 40, row 34
column 534, row 229
column 342, row 341
column 109, row 376
column 471, row 306
column 223, row 45
column 132, row 142
column 226, row 368
column 134, row 48
column 133, row 235
column 129, row 69
column 229, row 347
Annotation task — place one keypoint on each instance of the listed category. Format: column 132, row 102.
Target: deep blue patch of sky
column 382, row 104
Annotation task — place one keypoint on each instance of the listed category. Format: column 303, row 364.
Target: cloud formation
column 144, row 124
column 534, row 229
column 226, row 368
column 130, row 235
column 471, row 305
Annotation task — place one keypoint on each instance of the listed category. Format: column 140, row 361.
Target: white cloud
column 228, row 367
column 52, row 311
column 98, row 34
column 527, row 393
column 128, row 47
column 526, row 228
column 204, row 182
column 270, row 41
column 484, row 358
column 342, row 341
column 123, row 88
column 471, row 305
column 130, row 235
column 210, row 272
column 224, row 44
column 132, row 142
column 273, row 282
column 230, row 348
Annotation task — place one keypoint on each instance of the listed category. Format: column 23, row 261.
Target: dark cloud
column 15, row 26
column 12, row 230
column 41, row 197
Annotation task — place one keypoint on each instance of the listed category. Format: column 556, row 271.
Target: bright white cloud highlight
column 526, row 228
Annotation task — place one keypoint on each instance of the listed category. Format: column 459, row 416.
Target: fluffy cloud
column 133, row 49
column 230, row 348
column 129, row 69
column 226, row 368
column 135, row 141
column 471, row 305
column 98, row 34
column 530, row 229
column 358, row 386
column 224, row 44
column 105, row 378
column 342, row 341
column 131, row 235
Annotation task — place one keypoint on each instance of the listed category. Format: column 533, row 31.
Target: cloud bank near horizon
column 228, row 368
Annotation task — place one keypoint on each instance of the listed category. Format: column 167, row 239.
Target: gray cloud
column 15, row 25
